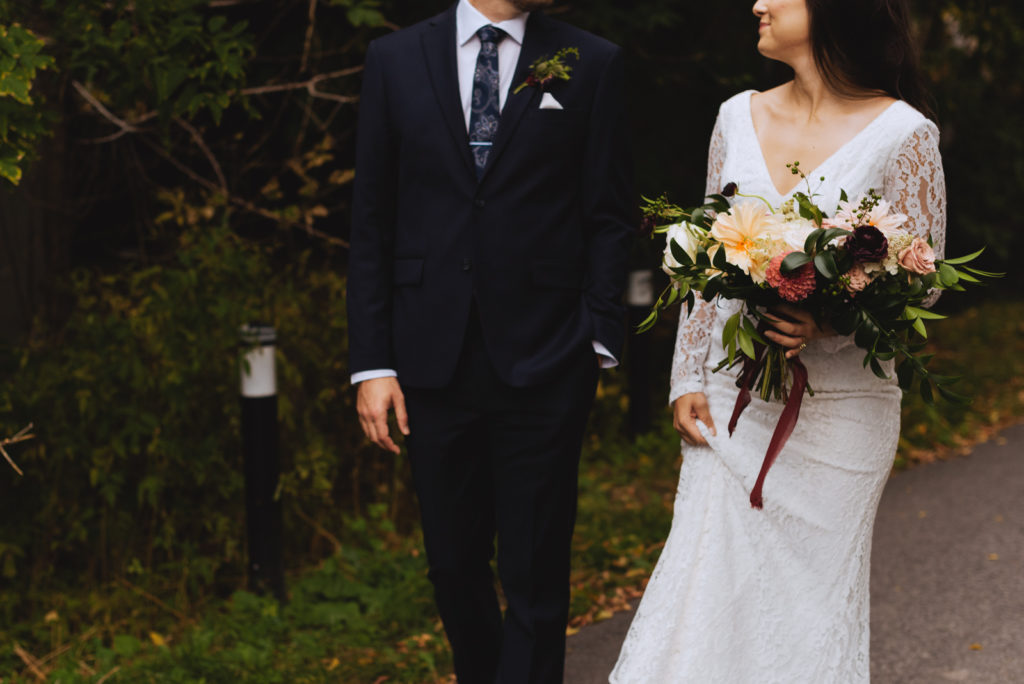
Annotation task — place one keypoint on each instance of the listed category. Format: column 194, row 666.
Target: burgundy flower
column 867, row 244
column 729, row 190
column 647, row 224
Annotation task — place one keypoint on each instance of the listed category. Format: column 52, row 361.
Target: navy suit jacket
column 540, row 241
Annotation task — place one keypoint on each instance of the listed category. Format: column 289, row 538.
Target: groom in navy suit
column 490, row 234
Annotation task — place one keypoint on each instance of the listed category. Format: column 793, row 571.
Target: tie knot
column 489, row 34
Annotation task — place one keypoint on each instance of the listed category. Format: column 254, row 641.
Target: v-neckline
column 817, row 170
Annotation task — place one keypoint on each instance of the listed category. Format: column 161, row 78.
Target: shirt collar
column 469, row 20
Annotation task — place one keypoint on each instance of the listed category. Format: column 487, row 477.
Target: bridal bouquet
column 858, row 271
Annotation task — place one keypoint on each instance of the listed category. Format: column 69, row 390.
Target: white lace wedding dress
column 780, row 595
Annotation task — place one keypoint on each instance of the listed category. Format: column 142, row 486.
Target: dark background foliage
column 197, row 174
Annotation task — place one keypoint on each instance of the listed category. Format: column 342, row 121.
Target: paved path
column 947, row 577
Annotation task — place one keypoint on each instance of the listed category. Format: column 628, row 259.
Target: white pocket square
column 549, row 102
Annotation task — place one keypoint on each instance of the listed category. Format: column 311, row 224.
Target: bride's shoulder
column 737, row 104
column 904, row 120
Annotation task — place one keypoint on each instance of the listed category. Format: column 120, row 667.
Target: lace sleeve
column 693, row 338
column 916, row 186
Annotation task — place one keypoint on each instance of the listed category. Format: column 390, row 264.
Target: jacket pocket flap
column 557, row 274
column 408, row 271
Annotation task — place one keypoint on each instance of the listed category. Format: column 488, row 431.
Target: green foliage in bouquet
column 883, row 308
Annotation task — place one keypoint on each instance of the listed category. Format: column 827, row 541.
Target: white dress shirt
column 469, row 20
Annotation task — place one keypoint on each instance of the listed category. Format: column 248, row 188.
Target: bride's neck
column 808, row 92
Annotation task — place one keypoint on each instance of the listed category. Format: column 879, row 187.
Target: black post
column 639, row 298
column 262, row 464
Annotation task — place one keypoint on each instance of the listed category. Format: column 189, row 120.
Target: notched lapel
column 439, row 52
column 536, row 42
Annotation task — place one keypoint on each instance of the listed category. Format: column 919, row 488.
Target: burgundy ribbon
column 787, row 421
column 784, row 428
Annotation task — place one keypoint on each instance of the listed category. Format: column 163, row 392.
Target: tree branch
column 241, row 203
column 310, row 30
column 309, row 85
column 23, row 435
column 206, row 151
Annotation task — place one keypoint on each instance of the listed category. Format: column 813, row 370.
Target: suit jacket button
column 467, row 264
column 479, row 203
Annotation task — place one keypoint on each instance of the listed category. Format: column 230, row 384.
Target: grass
column 366, row 616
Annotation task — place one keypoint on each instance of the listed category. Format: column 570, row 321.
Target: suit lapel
column 536, row 42
column 439, row 51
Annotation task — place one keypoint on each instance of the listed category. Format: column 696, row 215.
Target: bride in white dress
column 780, row 595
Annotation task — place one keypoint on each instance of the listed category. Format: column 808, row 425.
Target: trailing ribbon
column 784, row 428
column 787, row 421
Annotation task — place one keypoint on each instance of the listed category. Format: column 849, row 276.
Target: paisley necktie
column 485, row 109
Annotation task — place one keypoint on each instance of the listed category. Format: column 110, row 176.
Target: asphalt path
column 947, row 577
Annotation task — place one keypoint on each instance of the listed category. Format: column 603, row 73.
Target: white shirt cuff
column 373, row 375
column 607, row 360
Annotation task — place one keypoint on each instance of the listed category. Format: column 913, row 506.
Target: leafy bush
column 136, row 405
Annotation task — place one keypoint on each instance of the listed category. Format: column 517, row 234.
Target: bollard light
column 261, row 460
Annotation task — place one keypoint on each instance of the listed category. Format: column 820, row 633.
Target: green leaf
column 963, row 259
column 830, row 235
column 825, row 264
column 720, row 261
column 924, row 313
column 984, row 274
column 954, row 397
column 905, row 375
column 752, row 331
column 746, row 344
column 731, row 327
column 920, row 328
column 926, row 392
column 948, row 275
column 680, row 254
column 843, row 196
column 876, row 368
column 647, row 323
column 812, row 240
column 794, row 261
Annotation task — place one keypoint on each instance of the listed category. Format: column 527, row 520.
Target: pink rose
column 918, row 258
column 859, row 279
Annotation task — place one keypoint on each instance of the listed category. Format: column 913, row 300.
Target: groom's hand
column 376, row 397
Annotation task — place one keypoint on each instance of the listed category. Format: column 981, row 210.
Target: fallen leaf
column 993, row 556
column 976, row 647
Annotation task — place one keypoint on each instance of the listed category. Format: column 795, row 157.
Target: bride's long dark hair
column 866, row 46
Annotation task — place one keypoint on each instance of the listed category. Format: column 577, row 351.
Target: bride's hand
column 687, row 410
column 796, row 332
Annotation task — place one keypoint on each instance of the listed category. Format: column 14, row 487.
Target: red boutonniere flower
column 547, row 69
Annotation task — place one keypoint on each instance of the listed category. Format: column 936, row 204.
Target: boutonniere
column 547, row 69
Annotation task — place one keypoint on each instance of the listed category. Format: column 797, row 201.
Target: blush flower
column 739, row 231
column 918, row 258
column 851, row 214
column 856, row 279
column 794, row 287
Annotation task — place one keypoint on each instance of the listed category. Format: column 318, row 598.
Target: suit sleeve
column 373, row 226
column 607, row 204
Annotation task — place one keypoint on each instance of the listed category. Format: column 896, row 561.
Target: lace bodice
column 897, row 154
